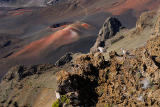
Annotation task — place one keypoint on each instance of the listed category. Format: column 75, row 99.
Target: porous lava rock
column 123, row 80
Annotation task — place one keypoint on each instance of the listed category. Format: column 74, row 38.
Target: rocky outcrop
column 146, row 20
column 129, row 80
column 83, row 81
column 122, row 80
column 64, row 60
column 109, row 29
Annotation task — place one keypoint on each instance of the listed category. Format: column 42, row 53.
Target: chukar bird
column 58, row 96
column 101, row 49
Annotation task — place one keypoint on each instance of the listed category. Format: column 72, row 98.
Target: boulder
column 109, row 29
column 146, row 20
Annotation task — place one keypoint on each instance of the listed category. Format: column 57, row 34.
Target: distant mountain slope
column 21, row 3
column 28, row 3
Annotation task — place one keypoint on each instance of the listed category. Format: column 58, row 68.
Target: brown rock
column 145, row 20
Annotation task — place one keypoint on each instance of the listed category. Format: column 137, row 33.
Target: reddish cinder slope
column 19, row 12
column 138, row 5
column 58, row 39
column 62, row 37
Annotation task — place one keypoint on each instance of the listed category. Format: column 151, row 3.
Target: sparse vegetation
column 56, row 103
column 60, row 102
column 64, row 99
column 108, row 105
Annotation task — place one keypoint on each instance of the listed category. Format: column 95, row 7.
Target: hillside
column 125, row 73
column 130, row 78
column 35, row 34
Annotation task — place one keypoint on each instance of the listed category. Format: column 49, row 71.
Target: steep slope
column 94, row 79
column 131, row 79
column 29, row 86
column 37, row 3
column 123, row 80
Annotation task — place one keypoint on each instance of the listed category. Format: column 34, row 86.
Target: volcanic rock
column 146, row 20
column 65, row 59
column 120, row 81
column 109, row 29
column 84, row 86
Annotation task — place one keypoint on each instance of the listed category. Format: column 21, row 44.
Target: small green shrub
column 64, row 99
column 56, row 103
column 60, row 102
column 109, row 105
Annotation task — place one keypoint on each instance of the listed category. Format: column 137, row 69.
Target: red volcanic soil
column 57, row 39
column 16, row 14
column 138, row 5
column 85, row 25
column 62, row 37
column 19, row 12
